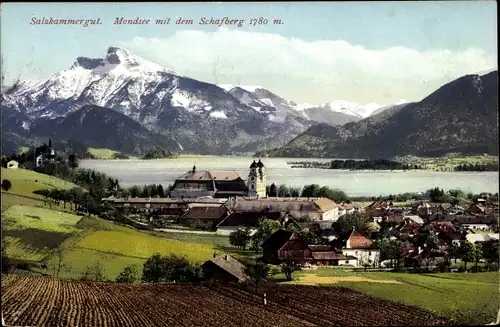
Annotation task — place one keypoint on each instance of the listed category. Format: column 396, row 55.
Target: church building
column 221, row 184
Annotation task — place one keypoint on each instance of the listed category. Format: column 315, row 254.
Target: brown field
column 45, row 301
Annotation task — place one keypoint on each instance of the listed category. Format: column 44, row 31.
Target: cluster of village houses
column 226, row 202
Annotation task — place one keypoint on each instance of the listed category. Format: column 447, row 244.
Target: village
column 318, row 232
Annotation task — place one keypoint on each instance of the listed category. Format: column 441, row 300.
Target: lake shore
column 353, row 183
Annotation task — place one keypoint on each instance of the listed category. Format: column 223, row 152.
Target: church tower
column 257, row 180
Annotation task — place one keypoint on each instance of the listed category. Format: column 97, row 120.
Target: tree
column 258, row 271
column 312, row 190
column 288, row 267
column 5, row 259
column 129, row 275
column 454, row 251
column 172, row 268
column 352, row 220
column 266, row 228
column 6, row 185
column 490, row 251
column 435, row 194
column 466, row 252
column 73, row 161
column 273, row 191
column 478, row 255
column 161, row 191
column 93, row 272
column 59, row 262
column 240, row 238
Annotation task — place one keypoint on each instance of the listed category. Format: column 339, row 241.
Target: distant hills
column 461, row 116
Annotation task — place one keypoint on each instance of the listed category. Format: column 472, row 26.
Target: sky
column 364, row 52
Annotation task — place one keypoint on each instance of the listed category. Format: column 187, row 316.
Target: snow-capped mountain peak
column 249, row 88
column 351, row 108
column 119, row 60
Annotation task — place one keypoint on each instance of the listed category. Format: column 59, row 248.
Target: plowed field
column 44, row 301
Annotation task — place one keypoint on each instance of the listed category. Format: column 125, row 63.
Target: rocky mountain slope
column 461, row 116
column 200, row 117
column 335, row 113
column 91, row 125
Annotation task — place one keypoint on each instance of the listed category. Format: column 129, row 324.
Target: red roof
column 378, row 205
column 359, row 241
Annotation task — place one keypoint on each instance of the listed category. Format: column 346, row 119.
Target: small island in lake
column 159, row 153
column 377, row 164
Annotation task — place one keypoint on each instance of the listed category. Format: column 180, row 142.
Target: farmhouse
column 221, row 184
column 224, row 268
column 360, row 247
column 287, row 246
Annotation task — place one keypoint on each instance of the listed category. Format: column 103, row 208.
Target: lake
column 354, row 183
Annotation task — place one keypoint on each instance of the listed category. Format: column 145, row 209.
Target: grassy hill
column 33, row 232
column 24, row 182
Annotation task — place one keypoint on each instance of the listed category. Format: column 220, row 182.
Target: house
column 377, row 209
column 476, row 222
column 302, row 209
column 346, row 208
column 13, row 164
column 482, row 238
column 415, row 218
column 443, row 226
column 360, row 247
column 393, row 219
column 221, row 184
column 324, row 255
column 409, row 227
column 451, row 237
column 225, row 268
column 295, row 250
column 272, row 244
column 476, row 208
column 211, row 215
column 424, row 257
column 286, row 246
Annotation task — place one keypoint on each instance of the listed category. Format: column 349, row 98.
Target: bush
column 172, row 268
column 129, row 275
column 6, row 185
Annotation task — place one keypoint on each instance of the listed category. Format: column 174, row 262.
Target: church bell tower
column 257, row 180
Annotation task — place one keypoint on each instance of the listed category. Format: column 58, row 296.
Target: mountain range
column 129, row 104
column 127, row 95
column 459, row 117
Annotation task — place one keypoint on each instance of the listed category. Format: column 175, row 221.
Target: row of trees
column 312, row 190
column 455, row 196
column 159, row 153
column 378, row 164
column 477, row 167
